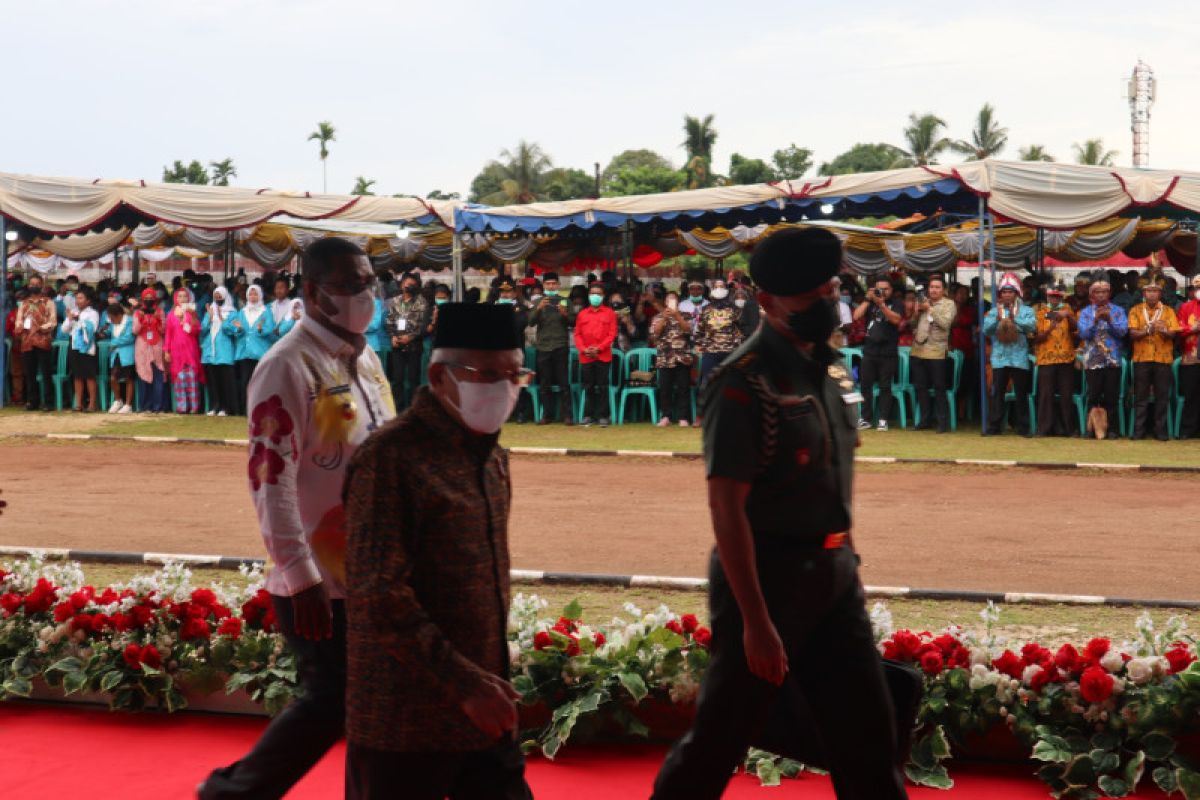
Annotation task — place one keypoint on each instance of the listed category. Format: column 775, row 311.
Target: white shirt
column 282, row 309
column 296, row 474
column 691, row 311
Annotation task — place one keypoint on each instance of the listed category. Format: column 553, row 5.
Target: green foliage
column 924, row 767
column 1092, row 152
column 644, row 180
column 987, row 137
column 865, row 157
column 699, row 137
column 924, row 138
column 516, row 178
column 1035, row 152
column 791, row 162
column 362, row 186
column 628, row 161
column 193, row 173
column 744, row 170
column 438, row 194
column 323, row 135
column 222, row 171
column 567, row 183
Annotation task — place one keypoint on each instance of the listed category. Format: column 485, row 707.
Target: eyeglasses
column 520, row 377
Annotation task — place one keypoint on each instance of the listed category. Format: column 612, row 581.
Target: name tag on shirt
column 401, row 324
column 28, row 323
column 187, row 328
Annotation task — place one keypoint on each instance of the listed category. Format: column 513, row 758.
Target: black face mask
column 408, row 289
column 815, row 323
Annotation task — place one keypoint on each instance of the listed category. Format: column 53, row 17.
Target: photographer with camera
column 927, row 365
column 884, row 314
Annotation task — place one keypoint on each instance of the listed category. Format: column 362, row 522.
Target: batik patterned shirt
column 1102, row 337
column 1059, row 346
column 1157, row 348
column 717, row 331
column 670, row 338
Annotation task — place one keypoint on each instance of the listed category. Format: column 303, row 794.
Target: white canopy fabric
column 71, row 205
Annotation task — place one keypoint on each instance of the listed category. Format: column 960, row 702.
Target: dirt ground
column 1129, row 535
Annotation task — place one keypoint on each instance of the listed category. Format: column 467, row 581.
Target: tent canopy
column 62, row 206
column 1037, row 194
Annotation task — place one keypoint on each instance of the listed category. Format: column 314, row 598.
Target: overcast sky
column 423, row 94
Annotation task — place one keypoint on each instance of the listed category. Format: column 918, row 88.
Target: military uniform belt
column 831, row 541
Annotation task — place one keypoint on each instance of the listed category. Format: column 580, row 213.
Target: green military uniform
column 785, row 422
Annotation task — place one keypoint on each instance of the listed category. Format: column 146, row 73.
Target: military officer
column 784, row 593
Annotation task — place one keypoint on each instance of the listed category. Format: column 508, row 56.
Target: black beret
column 550, row 276
column 477, row 326
column 795, row 260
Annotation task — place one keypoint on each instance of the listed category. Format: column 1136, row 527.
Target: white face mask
column 719, row 294
column 485, row 406
column 354, row 313
column 535, row 298
column 1196, row 294
column 740, row 302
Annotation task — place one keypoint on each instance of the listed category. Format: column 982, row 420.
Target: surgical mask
column 815, row 323
column 553, row 293
column 441, row 301
column 696, row 298
column 740, row 302
column 595, row 299
column 719, row 294
column 355, row 312
column 505, row 301
column 485, row 406
column 535, row 298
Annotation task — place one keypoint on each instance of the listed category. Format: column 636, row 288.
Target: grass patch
column 966, row 443
column 1049, row 624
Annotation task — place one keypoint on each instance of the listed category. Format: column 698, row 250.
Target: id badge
column 150, row 337
column 28, row 323
column 401, row 325
column 187, row 328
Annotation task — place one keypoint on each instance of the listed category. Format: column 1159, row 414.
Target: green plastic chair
column 956, row 360
column 103, row 348
column 614, row 384
column 1175, row 410
column 1080, row 400
column 640, row 359
column 60, row 373
column 1125, row 398
column 902, row 388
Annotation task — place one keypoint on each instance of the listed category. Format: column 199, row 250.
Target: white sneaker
column 664, row 422
column 864, row 424
column 683, row 423
column 220, row 413
column 882, row 425
column 115, row 407
column 126, row 409
column 211, row 413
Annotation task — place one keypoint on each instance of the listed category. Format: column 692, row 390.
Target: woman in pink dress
column 182, row 353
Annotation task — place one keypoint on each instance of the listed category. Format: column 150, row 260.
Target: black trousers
column 926, row 374
column 1104, row 391
column 244, row 369
column 877, row 370
column 551, row 375
column 1151, row 377
column 304, row 731
column 1189, row 390
column 815, row 600
column 674, row 393
column 495, row 774
column 1055, row 407
column 406, row 375
column 997, row 411
column 36, row 362
column 222, row 387
column 594, row 378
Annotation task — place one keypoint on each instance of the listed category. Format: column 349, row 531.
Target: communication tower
column 1141, row 97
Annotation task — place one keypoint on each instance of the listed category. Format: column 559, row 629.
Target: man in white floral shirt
column 313, row 399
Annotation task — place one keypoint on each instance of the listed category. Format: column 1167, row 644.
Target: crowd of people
column 194, row 345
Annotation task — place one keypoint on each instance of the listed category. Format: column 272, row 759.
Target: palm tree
column 924, row 138
column 522, row 170
column 987, row 138
column 362, row 186
column 222, row 171
column 1035, row 152
column 1092, row 152
column 699, row 137
column 323, row 135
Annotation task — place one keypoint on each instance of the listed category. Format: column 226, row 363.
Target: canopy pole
column 456, row 258
column 136, row 268
column 3, row 301
column 983, row 393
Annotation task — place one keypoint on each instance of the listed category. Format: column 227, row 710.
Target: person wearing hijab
column 149, row 326
column 217, row 355
column 182, row 352
column 253, row 332
column 285, row 311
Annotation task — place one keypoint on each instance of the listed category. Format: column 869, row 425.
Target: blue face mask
column 505, row 301
column 595, row 299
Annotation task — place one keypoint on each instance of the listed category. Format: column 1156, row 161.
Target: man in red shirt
column 595, row 330
column 1189, row 366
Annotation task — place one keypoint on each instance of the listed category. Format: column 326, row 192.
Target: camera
column 922, row 296
column 877, row 292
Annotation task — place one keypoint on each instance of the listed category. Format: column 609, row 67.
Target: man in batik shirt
column 1152, row 327
column 1102, row 327
column 1054, row 346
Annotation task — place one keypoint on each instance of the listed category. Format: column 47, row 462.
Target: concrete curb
column 622, row 581
column 667, row 454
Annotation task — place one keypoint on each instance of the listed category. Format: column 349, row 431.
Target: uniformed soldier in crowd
column 785, row 598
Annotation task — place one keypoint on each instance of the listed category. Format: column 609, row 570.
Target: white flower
column 1030, row 673
column 1140, row 671
column 881, row 622
column 980, row 656
column 1112, row 661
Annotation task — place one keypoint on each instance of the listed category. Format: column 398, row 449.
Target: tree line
column 527, row 174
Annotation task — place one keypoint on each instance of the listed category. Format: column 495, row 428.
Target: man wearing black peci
column 786, row 601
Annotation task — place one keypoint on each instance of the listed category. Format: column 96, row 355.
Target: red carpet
column 52, row 752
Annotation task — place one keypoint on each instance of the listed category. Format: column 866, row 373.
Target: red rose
column 230, row 626
column 1097, row 648
column 204, row 597
column 1067, row 658
column 100, row 622
column 573, row 646
column 141, row 615
column 1010, row 664
column 63, row 612
column 1034, row 653
column 1043, row 676
column 542, row 640
column 1096, row 685
column 41, row 598
column 193, row 628
column 947, row 644
column 674, row 627
column 109, row 595
column 599, row 639
column 1179, row 657
column 10, row 602
column 932, row 661
column 150, row 656
column 133, row 656
column 78, row 600
column 81, row 623
column 689, row 622
column 703, row 637
column 122, row 622
column 903, row 646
